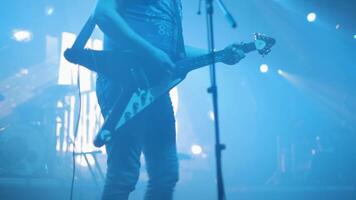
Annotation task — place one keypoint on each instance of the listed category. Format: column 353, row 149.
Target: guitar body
column 132, row 101
column 142, row 87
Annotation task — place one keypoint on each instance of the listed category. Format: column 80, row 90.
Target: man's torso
column 157, row 21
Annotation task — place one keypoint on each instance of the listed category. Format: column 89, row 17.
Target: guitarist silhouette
column 148, row 33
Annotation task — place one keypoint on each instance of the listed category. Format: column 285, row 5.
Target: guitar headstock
column 232, row 54
column 263, row 43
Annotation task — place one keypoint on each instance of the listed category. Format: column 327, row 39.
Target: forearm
column 192, row 52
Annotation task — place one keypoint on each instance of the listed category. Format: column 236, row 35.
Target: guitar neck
column 187, row 65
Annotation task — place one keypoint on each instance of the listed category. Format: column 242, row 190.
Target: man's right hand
column 160, row 60
column 114, row 26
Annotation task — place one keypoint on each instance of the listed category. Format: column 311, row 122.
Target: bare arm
column 115, row 27
column 192, row 52
column 110, row 21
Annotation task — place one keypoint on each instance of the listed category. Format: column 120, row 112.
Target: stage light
column 24, row 71
column 311, row 17
column 355, row 36
column 196, row 149
column 264, row 68
column 313, row 151
column 211, row 115
column 280, row 72
column 49, row 10
column 22, row 35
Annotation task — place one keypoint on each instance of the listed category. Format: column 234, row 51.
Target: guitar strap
column 84, row 34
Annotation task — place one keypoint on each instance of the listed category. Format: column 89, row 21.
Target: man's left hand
column 236, row 54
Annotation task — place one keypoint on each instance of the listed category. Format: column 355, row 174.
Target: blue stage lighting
column 280, row 72
column 49, row 10
column 22, row 35
column 311, row 17
column 196, row 149
column 211, row 115
column 264, row 68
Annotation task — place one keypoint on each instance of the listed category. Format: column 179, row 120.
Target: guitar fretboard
column 188, row 65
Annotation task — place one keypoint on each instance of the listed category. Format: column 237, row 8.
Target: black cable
column 75, row 134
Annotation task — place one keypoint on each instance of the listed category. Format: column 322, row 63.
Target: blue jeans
column 153, row 134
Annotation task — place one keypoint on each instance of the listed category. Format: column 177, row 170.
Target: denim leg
column 160, row 153
column 123, row 166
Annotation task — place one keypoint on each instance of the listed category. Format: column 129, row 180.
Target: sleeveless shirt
column 157, row 21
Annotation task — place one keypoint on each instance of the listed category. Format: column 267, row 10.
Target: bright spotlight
column 311, row 17
column 49, row 10
column 264, row 68
column 24, row 71
column 313, row 151
column 355, row 36
column 196, row 149
column 280, row 72
column 22, row 35
column 211, row 115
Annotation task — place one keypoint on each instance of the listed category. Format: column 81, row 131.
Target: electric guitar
column 144, row 89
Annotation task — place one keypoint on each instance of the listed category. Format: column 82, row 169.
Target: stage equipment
column 213, row 90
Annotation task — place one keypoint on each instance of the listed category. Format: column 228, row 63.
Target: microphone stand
column 219, row 147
